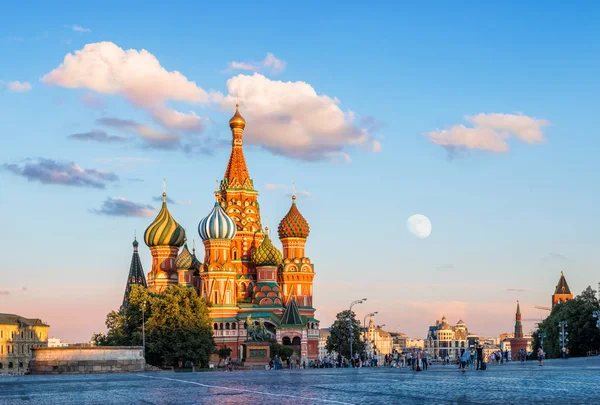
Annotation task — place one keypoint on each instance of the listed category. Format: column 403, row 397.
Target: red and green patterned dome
column 267, row 254
column 293, row 225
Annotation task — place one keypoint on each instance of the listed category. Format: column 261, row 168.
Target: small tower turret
column 136, row 274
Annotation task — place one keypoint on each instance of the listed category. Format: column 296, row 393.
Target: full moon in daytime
column 419, row 225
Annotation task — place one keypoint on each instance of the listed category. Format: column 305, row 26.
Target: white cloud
column 138, row 76
column 177, row 120
column 270, row 62
column 18, row 87
column 291, row 119
column 490, row 132
column 288, row 190
column 79, row 28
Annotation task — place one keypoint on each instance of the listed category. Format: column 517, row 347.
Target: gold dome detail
column 237, row 121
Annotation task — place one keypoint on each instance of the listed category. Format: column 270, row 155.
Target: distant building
column 562, row 293
column 517, row 343
column 446, row 340
column 323, row 335
column 402, row 342
column 378, row 341
column 18, row 336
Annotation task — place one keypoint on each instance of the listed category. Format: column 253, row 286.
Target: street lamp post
column 349, row 320
column 563, row 337
column 542, row 336
column 144, row 328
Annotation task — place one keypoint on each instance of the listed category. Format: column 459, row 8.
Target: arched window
column 216, row 326
column 221, row 326
column 10, row 365
column 233, row 325
column 227, row 326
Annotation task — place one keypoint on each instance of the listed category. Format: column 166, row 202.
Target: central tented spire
column 236, row 174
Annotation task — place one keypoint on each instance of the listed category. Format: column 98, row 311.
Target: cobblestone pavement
column 573, row 381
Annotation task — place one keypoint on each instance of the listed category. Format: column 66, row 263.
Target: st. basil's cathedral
column 243, row 275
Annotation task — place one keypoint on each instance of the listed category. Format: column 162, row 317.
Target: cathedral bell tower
column 239, row 200
column 296, row 277
column 562, row 293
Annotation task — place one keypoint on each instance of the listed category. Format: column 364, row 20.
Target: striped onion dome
column 164, row 230
column 184, row 259
column 293, row 225
column 217, row 225
column 267, row 254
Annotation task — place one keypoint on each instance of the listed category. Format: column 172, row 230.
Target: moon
column 419, row 225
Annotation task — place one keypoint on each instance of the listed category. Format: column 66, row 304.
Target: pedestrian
column 541, row 354
column 465, row 358
column 479, row 356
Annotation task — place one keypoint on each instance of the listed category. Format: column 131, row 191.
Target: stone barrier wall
column 58, row 360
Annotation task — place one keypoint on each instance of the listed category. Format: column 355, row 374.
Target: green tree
column 178, row 326
column 583, row 335
column 284, row 352
column 223, row 353
column 339, row 338
column 179, row 329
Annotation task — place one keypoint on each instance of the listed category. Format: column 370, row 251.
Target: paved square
column 574, row 381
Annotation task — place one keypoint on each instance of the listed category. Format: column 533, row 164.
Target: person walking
column 541, row 354
column 479, row 357
column 465, row 358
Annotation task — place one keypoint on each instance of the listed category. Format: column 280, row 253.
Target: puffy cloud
column 138, row 76
column 151, row 137
column 288, row 190
column 270, row 62
column 79, row 28
column 18, row 87
column 177, row 120
column 48, row 171
column 291, row 119
column 490, row 132
column 97, row 136
column 120, row 207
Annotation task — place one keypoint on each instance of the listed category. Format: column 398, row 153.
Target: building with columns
column 18, row 336
column 245, row 277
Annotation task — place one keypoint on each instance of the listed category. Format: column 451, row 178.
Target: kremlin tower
column 243, row 275
column 518, row 342
column 562, row 293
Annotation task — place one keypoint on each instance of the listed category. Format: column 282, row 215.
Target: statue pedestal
column 257, row 353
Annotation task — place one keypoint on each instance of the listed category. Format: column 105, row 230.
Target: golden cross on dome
column 293, row 190
column 217, row 183
column 237, row 98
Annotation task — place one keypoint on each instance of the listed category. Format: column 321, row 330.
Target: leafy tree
column 178, row 326
column 223, row 353
column 339, row 338
column 583, row 335
column 284, row 352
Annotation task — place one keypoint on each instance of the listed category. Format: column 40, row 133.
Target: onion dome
column 267, row 254
column 217, row 225
column 293, row 225
column 237, row 121
column 196, row 264
column 164, row 231
column 135, row 243
column 184, row 259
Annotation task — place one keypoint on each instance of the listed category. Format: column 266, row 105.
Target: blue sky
column 508, row 220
